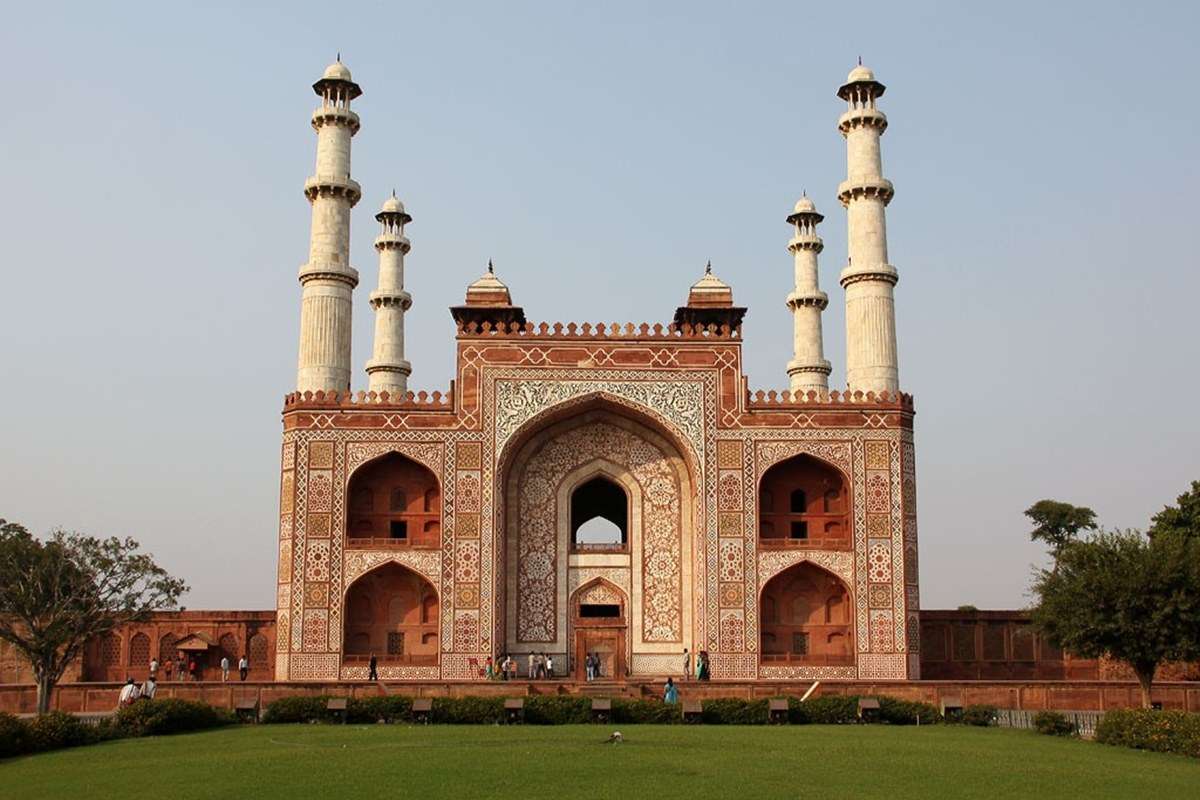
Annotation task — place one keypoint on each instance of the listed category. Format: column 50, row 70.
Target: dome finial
column 491, row 269
column 339, row 57
column 860, row 61
column 708, row 267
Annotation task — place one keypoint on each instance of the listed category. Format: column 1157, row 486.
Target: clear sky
column 152, row 222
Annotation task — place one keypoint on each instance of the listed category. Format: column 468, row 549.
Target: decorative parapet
column 416, row 401
column 615, row 330
column 774, row 399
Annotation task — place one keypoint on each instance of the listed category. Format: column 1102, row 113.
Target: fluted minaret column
column 388, row 371
column 808, row 369
column 327, row 279
column 868, row 278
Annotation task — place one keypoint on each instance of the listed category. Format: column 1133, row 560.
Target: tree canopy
column 1057, row 523
column 57, row 594
column 1183, row 519
column 1126, row 596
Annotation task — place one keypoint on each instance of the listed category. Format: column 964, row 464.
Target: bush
column 827, row 710
column 908, row 712
column 732, row 711
column 645, row 712
column 14, row 736
column 374, row 709
column 1144, row 729
column 1053, row 723
column 468, row 710
column 558, row 710
column 982, row 716
column 170, row 715
column 56, row 730
column 302, row 708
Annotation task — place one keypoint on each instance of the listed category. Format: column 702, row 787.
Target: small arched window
column 599, row 514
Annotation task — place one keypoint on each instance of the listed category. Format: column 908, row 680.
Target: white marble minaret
column 388, row 371
column 327, row 279
column 868, row 277
column 808, row 369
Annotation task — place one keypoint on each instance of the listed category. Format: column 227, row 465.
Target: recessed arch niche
column 806, row 617
column 392, row 501
column 391, row 612
column 804, row 502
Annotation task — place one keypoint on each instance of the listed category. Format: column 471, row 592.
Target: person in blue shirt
column 671, row 693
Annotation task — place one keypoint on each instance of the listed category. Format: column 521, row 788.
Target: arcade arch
column 391, row 612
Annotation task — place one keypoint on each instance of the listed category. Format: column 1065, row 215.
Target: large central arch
column 653, row 565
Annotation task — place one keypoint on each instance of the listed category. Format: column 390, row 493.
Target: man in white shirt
column 154, row 668
column 224, row 668
column 129, row 693
column 549, row 666
column 149, row 688
column 243, row 667
column 532, row 666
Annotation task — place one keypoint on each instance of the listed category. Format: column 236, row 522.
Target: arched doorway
column 601, row 493
column 598, row 627
column 393, row 502
column 806, row 618
column 803, row 502
column 391, row 612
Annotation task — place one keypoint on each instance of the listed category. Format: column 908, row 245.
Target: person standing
column 193, row 670
column 488, row 672
column 243, row 667
column 149, row 688
column 687, row 664
column 224, row 668
column 372, row 672
column 532, row 666
column 181, row 666
column 671, row 693
column 167, row 665
column 154, row 668
column 549, row 666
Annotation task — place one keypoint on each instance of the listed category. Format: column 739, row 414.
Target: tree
column 1125, row 596
column 57, row 594
column 1057, row 523
column 1183, row 520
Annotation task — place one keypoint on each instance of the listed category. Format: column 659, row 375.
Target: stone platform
column 1022, row 695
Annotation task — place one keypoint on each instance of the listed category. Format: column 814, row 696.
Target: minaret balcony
column 866, row 188
column 806, row 242
column 804, row 299
column 333, row 115
column 855, row 273
column 392, row 241
column 822, row 367
column 862, row 118
column 328, row 271
column 396, row 297
column 332, row 186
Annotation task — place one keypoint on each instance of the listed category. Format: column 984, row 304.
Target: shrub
column 1144, row 729
column 374, row 709
column 907, row 712
column 979, row 715
column 826, row 710
column 14, row 736
column 301, row 708
column 558, row 710
column 649, row 712
column 1053, row 723
column 732, row 711
column 56, row 730
column 468, row 710
column 170, row 715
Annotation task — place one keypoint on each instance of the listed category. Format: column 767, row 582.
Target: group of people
column 187, row 668
column 132, row 691
column 701, row 667
column 503, row 669
column 591, row 667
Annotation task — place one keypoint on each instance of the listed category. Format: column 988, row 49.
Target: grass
column 660, row 762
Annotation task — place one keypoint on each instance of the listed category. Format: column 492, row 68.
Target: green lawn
column 659, row 762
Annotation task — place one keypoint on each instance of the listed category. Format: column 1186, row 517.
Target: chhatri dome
column 860, row 73
column 804, row 206
column 392, row 205
column 337, row 71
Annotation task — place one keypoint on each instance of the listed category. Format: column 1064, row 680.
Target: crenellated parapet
column 600, row 330
column 418, row 401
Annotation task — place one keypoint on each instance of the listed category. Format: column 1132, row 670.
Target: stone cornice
column 879, row 188
column 817, row 299
column 382, row 298
column 332, row 115
column 328, row 272
column 876, row 272
column 333, row 186
column 862, row 118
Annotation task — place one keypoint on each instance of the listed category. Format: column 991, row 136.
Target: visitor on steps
column 589, row 667
column 532, row 666
column 671, row 693
column 224, row 668
column 549, row 666
column 372, row 672
column 193, row 670
column 687, row 664
column 243, row 667
column 154, row 668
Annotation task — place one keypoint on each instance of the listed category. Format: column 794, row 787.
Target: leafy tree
column 57, row 594
column 968, row 607
column 1183, row 519
column 1125, row 596
column 1057, row 523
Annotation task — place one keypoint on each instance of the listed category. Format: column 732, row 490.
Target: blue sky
column 1044, row 157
